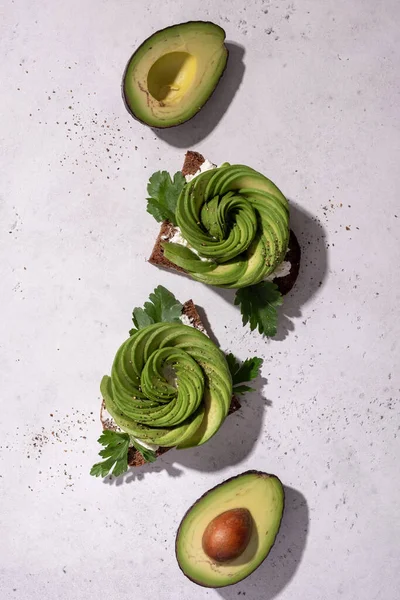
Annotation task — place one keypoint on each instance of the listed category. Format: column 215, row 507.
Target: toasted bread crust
column 157, row 257
column 192, row 163
column 135, row 459
column 190, row 310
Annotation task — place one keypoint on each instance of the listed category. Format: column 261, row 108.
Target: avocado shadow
column 205, row 121
column 311, row 236
column 282, row 563
column 234, row 441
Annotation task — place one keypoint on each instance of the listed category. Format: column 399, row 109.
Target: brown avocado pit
column 227, row 536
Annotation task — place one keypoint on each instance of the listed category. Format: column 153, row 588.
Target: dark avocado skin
column 128, row 108
column 250, row 472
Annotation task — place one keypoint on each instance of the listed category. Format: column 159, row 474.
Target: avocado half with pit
column 174, row 72
column 230, row 530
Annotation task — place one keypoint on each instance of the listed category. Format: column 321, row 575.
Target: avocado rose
column 236, row 223
column 169, row 385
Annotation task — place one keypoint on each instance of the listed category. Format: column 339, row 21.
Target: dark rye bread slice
column 193, row 161
column 135, row 459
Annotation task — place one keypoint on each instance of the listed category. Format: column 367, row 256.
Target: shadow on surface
column 230, row 446
column 207, row 325
column 236, row 439
column 201, row 125
column 313, row 269
column 139, row 473
column 281, row 565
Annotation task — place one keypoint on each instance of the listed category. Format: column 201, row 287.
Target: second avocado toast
column 170, row 386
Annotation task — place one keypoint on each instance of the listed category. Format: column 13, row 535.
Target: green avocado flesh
column 237, row 223
column 263, row 496
column 170, row 385
column 174, row 72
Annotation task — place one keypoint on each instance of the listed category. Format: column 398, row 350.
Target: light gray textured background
column 318, row 112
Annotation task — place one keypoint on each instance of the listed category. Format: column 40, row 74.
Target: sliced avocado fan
column 170, row 385
column 174, row 72
column 258, row 494
column 237, row 223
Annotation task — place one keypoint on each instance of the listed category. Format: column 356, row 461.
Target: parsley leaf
column 247, row 371
column 115, row 452
column 140, row 319
column 148, row 455
column 162, row 307
column 164, row 193
column 258, row 305
column 242, row 389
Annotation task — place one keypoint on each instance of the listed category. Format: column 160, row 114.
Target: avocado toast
column 230, row 245
column 170, row 386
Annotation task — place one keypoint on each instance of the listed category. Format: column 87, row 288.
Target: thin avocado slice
column 174, row 72
column 260, row 494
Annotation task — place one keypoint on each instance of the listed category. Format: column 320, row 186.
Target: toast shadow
column 282, row 563
column 201, row 125
column 313, row 269
column 207, row 325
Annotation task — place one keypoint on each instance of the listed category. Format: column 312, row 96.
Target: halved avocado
column 174, row 72
column 253, row 492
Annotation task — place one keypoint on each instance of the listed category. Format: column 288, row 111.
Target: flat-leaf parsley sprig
column 115, row 452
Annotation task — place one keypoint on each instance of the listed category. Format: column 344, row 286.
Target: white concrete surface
column 318, row 112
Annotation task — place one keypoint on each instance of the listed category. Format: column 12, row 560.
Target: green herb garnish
column 162, row 307
column 241, row 373
column 258, row 305
column 115, row 453
column 163, row 195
